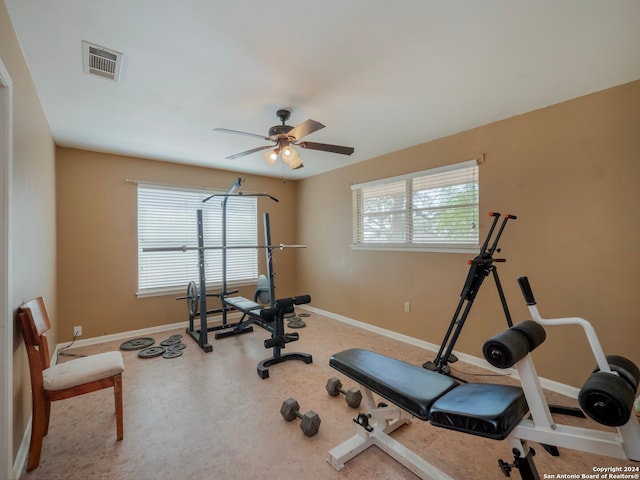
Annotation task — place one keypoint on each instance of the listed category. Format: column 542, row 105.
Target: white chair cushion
column 82, row 370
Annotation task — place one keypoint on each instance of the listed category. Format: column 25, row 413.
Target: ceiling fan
column 284, row 137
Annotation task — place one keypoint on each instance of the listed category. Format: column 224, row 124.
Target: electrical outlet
column 407, row 307
column 77, row 331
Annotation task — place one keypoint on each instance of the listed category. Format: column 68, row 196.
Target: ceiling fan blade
column 237, row 132
column 304, row 129
column 325, row 147
column 249, row 152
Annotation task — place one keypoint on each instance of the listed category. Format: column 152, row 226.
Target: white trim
column 407, row 176
column 6, row 267
column 23, row 452
column 118, row 336
column 550, row 385
column 212, row 321
column 414, row 247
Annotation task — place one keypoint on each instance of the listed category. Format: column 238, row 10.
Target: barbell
column 185, row 248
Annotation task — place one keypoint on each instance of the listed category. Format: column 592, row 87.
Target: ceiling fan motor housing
column 283, row 129
column 277, row 130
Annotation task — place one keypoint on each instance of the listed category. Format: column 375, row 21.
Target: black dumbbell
column 352, row 396
column 310, row 424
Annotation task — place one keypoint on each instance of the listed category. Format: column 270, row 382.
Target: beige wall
column 570, row 173
column 33, row 209
column 97, row 238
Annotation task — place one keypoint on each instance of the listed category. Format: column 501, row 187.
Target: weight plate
column 172, row 353
column 177, row 346
column 178, row 336
column 137, row 343
column 169, row 341
column 304, row 314
column 296, row 322
column 192, row 299
column 151, row 352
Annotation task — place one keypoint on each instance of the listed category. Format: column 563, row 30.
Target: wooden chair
column 64, row 380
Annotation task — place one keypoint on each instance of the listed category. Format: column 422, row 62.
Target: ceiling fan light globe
column 295, row 164
column 294, row 160
column 271, row 156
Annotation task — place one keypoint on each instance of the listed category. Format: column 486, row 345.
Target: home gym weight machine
column 516, row 414
column 480, row 267
column 270, row 318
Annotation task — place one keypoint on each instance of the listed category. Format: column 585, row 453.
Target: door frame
column 6, row 274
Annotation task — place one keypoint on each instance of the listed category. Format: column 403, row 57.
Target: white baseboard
column 121, row 336
column 550, row 385
column 212, row 321
column 23, row 452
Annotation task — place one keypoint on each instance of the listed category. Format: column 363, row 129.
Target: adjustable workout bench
column 271, row 319
column 491, row 410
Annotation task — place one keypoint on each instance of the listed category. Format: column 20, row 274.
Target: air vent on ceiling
column 101, row 61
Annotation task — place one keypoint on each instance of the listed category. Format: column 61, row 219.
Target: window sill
column 419, row 248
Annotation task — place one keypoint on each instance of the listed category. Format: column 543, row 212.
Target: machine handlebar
column 282, row 306
column 527, row 293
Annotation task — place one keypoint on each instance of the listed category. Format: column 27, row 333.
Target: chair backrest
column 35, row 322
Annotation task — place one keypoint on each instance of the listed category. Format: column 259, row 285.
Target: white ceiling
column 381, row 75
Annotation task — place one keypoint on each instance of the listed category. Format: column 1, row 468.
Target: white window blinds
column 167, row 217
column 432, row 209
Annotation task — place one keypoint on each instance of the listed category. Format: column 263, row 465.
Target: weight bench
column 272, row 320
column 486, row 410
column 489, row 410
column 248, row 308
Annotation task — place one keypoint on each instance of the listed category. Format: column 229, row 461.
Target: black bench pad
column 244, row 305
column 486, row 410
column 408, row 386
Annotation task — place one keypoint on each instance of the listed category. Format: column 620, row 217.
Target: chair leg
column 38, row 428
column 117, row 392
column 47, row 415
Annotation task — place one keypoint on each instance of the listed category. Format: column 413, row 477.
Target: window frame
column 212, row 220
column 358, row 228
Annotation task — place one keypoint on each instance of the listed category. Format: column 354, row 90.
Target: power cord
column 481, row 374
column 66, row 354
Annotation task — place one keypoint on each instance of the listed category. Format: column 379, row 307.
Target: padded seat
column 486, row 410
column 82, row 370
column 408, row 386
column 244, row 305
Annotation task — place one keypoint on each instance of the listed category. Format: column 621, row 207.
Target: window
column 167, row 217
column 434, row 210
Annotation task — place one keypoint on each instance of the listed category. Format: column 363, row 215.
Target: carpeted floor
column 209, row 416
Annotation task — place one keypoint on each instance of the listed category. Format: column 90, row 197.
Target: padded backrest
column 263, row 294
